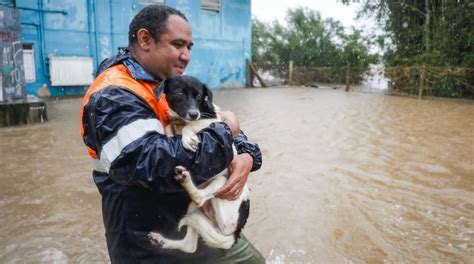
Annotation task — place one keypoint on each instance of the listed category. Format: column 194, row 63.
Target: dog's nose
column 193, row 114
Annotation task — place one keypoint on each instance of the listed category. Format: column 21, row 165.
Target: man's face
column 171, row 54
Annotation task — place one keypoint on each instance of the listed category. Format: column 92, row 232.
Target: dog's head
column 188, row 98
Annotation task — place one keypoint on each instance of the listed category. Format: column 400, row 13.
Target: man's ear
column 144, row 39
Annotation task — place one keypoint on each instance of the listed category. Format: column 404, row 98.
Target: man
column 123, row 117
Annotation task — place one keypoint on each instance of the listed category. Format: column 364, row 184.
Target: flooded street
column 347, row 177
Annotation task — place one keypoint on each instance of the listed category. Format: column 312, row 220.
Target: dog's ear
column 166, row 85
column 207, row 100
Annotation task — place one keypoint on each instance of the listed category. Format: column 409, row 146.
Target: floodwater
column 347, row 178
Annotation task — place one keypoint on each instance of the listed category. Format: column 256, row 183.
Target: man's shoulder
column 115, row 76
column 110, row 62
column 125, row 60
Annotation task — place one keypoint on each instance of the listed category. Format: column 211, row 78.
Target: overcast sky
column 267, row 10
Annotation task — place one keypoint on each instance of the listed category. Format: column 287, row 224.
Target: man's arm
column 244, row 146
column 241, row 142
column 129, row 139
column 249, row 159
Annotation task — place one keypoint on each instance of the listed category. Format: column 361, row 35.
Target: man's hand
column 239, row 172
column 230, row 119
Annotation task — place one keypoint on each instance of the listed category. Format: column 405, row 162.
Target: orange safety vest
column 119, row 75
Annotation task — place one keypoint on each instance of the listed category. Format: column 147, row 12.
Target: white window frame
column 29, row 63
column 211, row 5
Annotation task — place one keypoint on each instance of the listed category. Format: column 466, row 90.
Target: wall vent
column 71, row 71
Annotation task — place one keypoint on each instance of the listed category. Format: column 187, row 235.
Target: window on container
column 29, row 62
column 151, row 2
column 211, row 5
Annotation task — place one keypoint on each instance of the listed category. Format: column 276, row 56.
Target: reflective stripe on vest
column 119, row 75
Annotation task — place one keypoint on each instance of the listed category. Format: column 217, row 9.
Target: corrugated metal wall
column 98, row 28
column 222, row 42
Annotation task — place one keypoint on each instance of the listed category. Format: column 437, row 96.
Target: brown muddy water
column 347, row 178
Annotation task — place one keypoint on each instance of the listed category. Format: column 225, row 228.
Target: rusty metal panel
column 71, row 71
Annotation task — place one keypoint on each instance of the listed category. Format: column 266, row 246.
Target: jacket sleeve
column 244, row 146
column 130, row 142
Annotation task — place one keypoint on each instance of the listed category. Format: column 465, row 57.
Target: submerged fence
column 432, row 81
column 414, row 80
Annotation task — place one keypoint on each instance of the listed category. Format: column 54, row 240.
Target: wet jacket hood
column 125, row 57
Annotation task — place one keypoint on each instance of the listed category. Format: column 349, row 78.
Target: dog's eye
column 180, row 94
column 198, row 97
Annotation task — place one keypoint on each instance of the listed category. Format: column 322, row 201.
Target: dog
column 217, row 221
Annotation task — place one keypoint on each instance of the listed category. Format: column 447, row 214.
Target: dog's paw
column 156, row 239
column 191, row 142
column 180, row 170
column 181, row 174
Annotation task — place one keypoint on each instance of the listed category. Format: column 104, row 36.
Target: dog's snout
column 193, row 114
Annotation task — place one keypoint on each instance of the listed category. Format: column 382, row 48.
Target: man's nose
column 185, row 55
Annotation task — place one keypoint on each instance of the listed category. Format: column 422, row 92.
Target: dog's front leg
column 189, row 138
column 198, row 196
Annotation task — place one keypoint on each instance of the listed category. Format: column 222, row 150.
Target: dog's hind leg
column 198, row 222
column 198, row 196
column 188, row 244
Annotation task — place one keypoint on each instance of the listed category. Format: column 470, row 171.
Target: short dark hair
column 152, row 18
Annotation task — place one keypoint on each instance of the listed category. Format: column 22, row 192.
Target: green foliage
column 261, row 38
column 424, row 32
column 432, row 33
column 309, row 41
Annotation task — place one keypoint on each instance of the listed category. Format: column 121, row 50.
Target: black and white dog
column 218, row 222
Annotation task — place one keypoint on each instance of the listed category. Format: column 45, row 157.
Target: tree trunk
column 426, row 28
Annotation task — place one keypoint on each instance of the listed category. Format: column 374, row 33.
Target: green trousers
column 243, row 252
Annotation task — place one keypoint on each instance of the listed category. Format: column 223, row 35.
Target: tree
column 260, row 40
column 433, row 32
column 307, row 40
column 313, row 44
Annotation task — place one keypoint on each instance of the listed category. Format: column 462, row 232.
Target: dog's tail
column 208, row 233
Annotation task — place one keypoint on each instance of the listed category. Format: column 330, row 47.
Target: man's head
column 160, row 39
